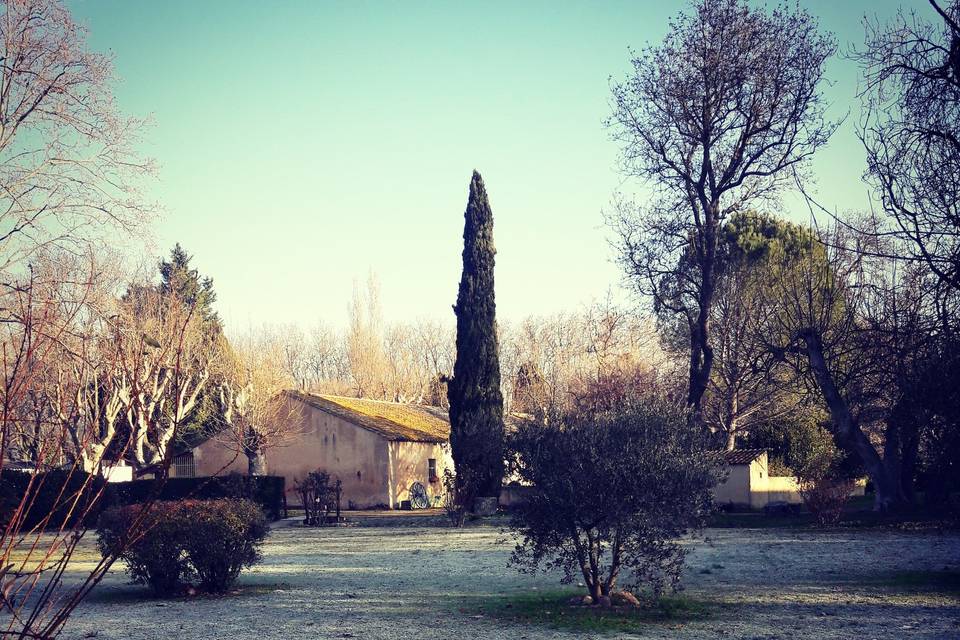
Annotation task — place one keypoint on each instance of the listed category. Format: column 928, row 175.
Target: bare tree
column 69, row 173
column 68, row 165
column 251, row 401
column 747, row 386
column 365, row 349
column 911, row 132
column 327, row 358
column 43, row 318
column 857, row 323
column 295, row 354
column 165, row 357
column 718, row 117
column 552, row 360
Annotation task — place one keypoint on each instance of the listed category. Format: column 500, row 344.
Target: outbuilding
column 748, row 484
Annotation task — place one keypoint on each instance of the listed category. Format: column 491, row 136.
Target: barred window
column 183, row 466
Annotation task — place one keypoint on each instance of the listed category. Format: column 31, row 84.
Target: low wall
column 514, row 494
column 785, row 489
column 763, row 491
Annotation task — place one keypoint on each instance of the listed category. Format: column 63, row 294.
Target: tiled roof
column 738, row 456
column 394, row 421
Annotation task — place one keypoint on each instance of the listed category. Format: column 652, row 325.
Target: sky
column 303, row 145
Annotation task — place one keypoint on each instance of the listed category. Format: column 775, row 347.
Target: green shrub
column 267, row 491
column 207, row 541
column 612, row 492
column 68, row 498
column 225, row 537
column 156, row 555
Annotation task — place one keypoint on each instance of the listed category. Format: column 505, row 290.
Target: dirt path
column 405, row 583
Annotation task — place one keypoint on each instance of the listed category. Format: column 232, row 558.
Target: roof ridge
column 423, row 425
column 374, row 400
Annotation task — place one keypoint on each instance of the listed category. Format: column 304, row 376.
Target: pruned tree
column 166, row 355
column 716, row 119
column 88, row 399
column 252, row 406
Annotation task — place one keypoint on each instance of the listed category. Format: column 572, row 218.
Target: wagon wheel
column 418, row 496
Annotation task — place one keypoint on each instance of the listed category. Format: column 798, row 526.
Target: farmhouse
column 380, row 451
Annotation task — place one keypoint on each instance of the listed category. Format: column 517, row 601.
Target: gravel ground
column 407, row 582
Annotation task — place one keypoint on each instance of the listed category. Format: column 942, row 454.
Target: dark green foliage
column 751, row 238
column 206, row 541
column 224, row 537
column 799, row 443
column 476, row 401
column 266, row 491
column 156, row 557
column 939, row 397
column 70, row 497
column 179, row 278
column 612, row 493
column 748, row 240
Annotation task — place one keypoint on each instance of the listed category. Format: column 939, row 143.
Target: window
column 432, row 470
column 183, row 466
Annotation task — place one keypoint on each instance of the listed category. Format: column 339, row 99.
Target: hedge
column 266, row 491
column 51, row 491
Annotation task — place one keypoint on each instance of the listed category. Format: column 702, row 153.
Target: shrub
column 612, row 490
column 319, row 495
column 209, row 541
column 456, row 500
column 824, row 486
column 224, row 537
column 70, row 498
column 825, row 497
column 156, row 557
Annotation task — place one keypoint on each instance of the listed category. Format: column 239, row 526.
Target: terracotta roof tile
column 738, row 456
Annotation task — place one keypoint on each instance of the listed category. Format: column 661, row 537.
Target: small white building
column 749, row 484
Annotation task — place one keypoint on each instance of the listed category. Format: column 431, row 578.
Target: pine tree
column 177, row 277
column 476, row 402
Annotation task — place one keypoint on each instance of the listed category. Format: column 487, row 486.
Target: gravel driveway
column 405, row 582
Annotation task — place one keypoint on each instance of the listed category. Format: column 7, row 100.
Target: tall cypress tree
column 476, row 402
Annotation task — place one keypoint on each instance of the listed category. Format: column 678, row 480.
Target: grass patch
column 945, row 582
column 552, row 609
column 858, row 514
column 136, row 593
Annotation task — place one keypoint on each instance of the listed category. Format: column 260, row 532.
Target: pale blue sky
column 303, row 144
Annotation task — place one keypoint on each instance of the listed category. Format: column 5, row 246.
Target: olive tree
column 612, row 492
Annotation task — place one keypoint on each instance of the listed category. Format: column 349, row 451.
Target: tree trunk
column 847, row 432
column 256, row 463
column 733, row 408
column 701, row 351
column 731, row 440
